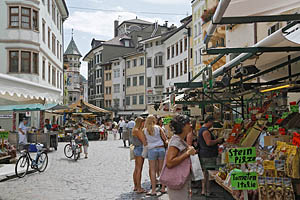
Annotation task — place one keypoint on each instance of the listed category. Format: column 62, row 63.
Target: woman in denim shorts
column 138, row 140
column 156, row 150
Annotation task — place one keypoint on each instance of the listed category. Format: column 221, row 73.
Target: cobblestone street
column 105, row 175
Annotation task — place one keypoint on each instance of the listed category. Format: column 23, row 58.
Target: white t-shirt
column 122, row 123
column 23, row 138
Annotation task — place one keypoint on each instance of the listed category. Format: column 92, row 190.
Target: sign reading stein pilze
column 242, row 155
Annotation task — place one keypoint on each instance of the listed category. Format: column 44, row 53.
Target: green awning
column 27, row 107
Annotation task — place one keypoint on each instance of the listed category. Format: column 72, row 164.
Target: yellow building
column 135, row 82
column 203, row 11
column 107, row 85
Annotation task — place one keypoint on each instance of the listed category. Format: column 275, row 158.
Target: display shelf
column 221, row 183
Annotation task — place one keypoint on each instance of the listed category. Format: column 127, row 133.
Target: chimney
column 166, row 23
column 116, row 24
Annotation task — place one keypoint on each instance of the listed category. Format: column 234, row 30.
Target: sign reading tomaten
column 242, row 155
column 244, row 180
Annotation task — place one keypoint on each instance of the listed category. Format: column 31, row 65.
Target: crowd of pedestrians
column 169, row 158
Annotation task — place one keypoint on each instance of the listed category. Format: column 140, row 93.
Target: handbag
column 145, row 152
column 196, row 168
column 176, row 177
column 131, row 147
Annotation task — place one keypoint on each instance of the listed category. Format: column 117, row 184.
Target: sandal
column 141, row 191
column 151, row 194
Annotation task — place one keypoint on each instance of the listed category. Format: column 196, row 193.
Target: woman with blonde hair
column 156, row 150
column 138, row 140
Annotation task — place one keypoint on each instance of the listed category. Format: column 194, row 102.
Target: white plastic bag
column 196, row 168
column 131, row 147
column 145, row 152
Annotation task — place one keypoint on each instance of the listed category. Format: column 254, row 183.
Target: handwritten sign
column 242, row 155
column 244, row 180
column 167, row 120
column 4, row 134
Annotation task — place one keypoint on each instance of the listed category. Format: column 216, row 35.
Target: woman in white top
column 156, row 149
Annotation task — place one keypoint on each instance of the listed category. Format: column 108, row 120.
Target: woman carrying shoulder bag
column 176, row 173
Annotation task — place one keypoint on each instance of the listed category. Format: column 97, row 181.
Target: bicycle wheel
column 76, row 153
column 22, row 166
column 42, row 162
column 68, row 151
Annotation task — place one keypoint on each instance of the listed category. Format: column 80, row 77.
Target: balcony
column 74, row 69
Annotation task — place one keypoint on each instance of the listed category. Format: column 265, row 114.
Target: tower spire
column 72, row 32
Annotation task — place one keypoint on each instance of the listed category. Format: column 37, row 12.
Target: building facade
column 107, row 85
column 118, row 87
column 31, row 48
column 135, row 83
column 72, row 61
column 176, row 59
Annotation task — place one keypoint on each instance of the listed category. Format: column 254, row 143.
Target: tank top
column 206, row 151
column 136, row 141
column 155, row 140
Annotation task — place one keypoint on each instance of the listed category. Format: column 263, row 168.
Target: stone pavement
column 105, row 175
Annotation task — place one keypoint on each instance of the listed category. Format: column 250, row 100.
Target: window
column 177, row 49
column 116, row 103
column 168, row 73
column 61, row 81
column 181, row 69
column 142, row 61
column 149, row 82
column 49, row 6
column 53, row 43
column 149, row 62
column 44, row 69
column 195, row 30
column 116, row 88
column 109, row 76
column 35, row 23
column 116, row 73
column 128, row 82
column 57, row 20
column 172, row 71
column 185, row 44
column 185, row 66
column 181, row 46
column 123, row 72
column 25, row 61
column 35, row 63
column 127, row 43
column 53, row 11
column 109, row 90
column 177, row 70
column 134, row 100
column 57, row 49
column 14, row 61
column 134, row 81
column 158, row 80
column 158, row 61
column 25, row 18
column 149, row 100
column 128, row 101
column 168, row 53
column 44, row 31
column 172, row 51
column 273, row 28
column 134, row 62
column 14, row 17
column 141, row 99
column 141, row 81
column 57, row 77
column 53, row 76
column 49, row 35
column 123, row 87
column 49, row 72
column 128, row 64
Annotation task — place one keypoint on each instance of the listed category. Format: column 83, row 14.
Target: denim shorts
column 138, row 150
column 156, row 153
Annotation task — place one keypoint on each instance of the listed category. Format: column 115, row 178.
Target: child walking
column 115, row 131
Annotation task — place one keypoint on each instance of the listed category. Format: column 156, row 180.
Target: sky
column 95, row 18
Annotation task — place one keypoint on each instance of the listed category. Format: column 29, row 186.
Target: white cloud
column 166, row 2
column 101, row 23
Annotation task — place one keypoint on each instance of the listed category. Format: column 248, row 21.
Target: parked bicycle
column 73, row 148
column 40, row 162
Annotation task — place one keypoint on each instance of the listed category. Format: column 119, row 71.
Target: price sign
column 167, row 120
column 4, row 134
column 242, row 155
column 244, row 180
